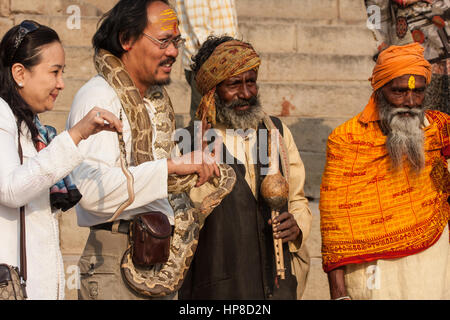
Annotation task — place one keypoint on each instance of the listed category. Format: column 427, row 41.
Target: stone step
column 5, row 25
column 311, row 134
column 314, row 166
column 292, row 67
column 314, row 241
column 79, row 63
column 317, row 284
column 62, row 7
column 285, row 36
column 55, row 118
column 315, row 99
column 347, row 10
column 69, row 34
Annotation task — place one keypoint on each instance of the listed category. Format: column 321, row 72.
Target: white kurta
column 29, row 185
column 100, row 178
column 420, row 276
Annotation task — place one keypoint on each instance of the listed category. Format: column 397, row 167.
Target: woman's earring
column 20, row 84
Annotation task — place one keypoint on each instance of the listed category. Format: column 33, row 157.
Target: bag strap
column 23, row 252
column 283, row 148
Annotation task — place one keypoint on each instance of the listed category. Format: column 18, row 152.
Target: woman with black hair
column 32, row 61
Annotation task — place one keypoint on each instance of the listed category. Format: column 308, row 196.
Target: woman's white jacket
column 29, row 185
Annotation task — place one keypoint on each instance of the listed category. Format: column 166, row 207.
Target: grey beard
column 247, row 119
column 404, row 133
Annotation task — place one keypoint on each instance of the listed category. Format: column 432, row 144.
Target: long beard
column 405, row 136
column 234, row 119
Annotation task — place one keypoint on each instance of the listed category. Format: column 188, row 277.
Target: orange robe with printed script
column 368, row 211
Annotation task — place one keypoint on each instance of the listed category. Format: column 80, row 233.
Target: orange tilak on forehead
column 168, row 20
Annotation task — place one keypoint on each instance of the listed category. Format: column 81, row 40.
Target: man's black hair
column 206, row 50
column 126, row 21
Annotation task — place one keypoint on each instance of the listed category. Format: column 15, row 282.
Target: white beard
column 405, row 136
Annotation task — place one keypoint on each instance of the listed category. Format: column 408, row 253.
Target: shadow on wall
column 310, row 135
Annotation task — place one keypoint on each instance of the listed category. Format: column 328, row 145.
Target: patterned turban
column 395, row 62
column 228, row 60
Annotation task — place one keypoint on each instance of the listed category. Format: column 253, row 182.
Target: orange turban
column 392, row 63
column 228, row 60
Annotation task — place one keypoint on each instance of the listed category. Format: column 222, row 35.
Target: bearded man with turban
column 235, row 257
column 423, row 21
column 383, row 204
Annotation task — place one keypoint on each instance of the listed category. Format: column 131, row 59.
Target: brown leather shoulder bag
column 150, row 239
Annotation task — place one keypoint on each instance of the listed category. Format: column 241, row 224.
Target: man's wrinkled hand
column 286, row 227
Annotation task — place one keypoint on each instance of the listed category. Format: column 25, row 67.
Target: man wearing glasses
column 144, row 35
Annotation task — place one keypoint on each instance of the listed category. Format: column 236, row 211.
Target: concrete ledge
column 23, row 6
column 5, row 25
column 302, row 37
column 311, row 134
column 59, row 7
column 69, row 37
column 352, row 10
column 314, row 165
column 55, row 118
column 264, row 37
column 65, row 98
column 315, row 99
column 5, row 8
column 291, row 67
column 317, row 284
column 305, row 9
column 180, row 95
column 314, row 241
column 79, row 62
column 101, row 5
column 339, row 40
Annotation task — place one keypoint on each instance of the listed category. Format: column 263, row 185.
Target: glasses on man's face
column 25, row 28
column 177, row 42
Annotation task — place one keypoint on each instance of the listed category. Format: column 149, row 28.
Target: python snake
column 164, row 279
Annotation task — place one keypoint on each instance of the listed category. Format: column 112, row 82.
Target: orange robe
column 370, row 212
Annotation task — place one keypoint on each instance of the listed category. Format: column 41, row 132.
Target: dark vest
column 235, row 254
